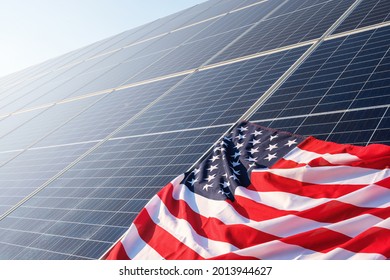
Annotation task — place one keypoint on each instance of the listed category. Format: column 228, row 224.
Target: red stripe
column 285, row 163
column 320, row 240
column 239, row 235
column 255, row 211
column 268, row 182
column 118, row 252
column 161, row 240
column 374, row 156
column 384, row 183
column 374, row 240
column 336, row 211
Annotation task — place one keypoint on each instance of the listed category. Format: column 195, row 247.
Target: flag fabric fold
column 267, row 194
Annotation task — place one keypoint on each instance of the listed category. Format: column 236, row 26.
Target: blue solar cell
column 29, row 170
column 369, row 12
column 341, row 80
column 216, row 96
column 41, row 124
column 107, row 114
column 286, row 29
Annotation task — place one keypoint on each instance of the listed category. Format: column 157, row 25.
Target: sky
column 32, row 31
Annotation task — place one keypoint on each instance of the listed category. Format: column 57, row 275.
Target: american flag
column 267, row 194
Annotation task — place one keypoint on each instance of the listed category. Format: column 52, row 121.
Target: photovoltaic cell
column 238, row 19
column 355, row 127
column 109, row 113
column 45, row 122
column 369, row 12
column 345, row 73
column 216, row 96
column 26, row 172
column 287, row 29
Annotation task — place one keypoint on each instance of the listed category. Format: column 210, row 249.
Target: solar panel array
column 86, row 139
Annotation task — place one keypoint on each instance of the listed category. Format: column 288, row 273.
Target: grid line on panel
column 358, row 30
column 44, row 250
column 372, row 72
column 210, row 126
column 51, row 131
column 348, row 77
column 189, row 41
column 97, row 145
column 205, row 67
column 379, row 123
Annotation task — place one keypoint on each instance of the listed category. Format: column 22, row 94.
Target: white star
column 256, row 133
column 252, row 165
column 272, row 137
column 235, row 171
column 243, row 128
column 192, row 182
column 207, row 186
column 255, row 142
column 225, row 185
column 236, row 163
column 224, row 192
column 291, row 142
column 251, row 159
column 211, row 177
column 225, row 175
column 239, row 145
column 270, row 157
column 217, row 149
column 196, row 171
column 253, row 150
column 236, row 154
column 227, row 139
column 271, row 147
column 212, row 167
column 241, row 136
column 214, row 158
column 234, row 177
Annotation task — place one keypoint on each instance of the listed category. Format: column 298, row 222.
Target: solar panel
column 348, row 74
column 86, row 139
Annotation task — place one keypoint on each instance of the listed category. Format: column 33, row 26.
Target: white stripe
column 342, row 254
column 331, row 174
column 384, row 224
column 278, row 250
column 372, row 196
column 136, row 248
column 275, row 250
column 287, row 225
column 208, row 207
column 183, row 231
column 356, row 225
column 302, row 156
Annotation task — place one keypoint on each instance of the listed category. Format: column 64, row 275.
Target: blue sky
column 32, row 31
